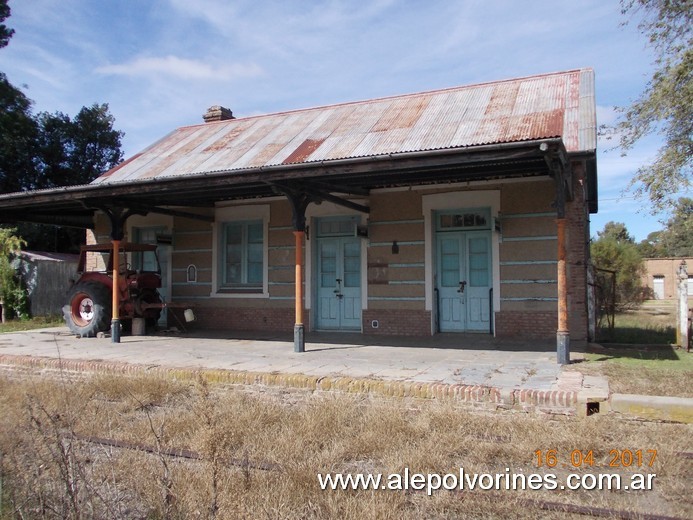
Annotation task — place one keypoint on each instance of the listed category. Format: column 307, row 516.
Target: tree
column 615, row 250
column 18, row 133
column 13, row 296
column 49, row 150
column 666, row 104
column 5, row 32
column 652, row 247
column 69, row 152
column 615, row 231
column 676, row 239
column 17, row 127
column 76, row 151
column 678, row 235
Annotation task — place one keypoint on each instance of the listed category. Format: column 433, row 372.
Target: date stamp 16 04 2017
column 615, row 458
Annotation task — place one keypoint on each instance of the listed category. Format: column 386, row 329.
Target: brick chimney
column 217, row 113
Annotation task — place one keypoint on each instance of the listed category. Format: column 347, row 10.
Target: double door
column 463, row 280
column 339, row 283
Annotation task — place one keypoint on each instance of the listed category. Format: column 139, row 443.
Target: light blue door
column 339, row 283
column 478, row 280
column 452, row 311
column 463, row 281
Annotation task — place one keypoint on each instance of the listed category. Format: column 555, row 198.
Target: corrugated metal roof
column 550, row 105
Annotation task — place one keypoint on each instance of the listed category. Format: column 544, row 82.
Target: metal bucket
column 138, row 327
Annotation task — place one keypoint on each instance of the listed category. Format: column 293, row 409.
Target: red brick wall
column 402, row 322
column 577, row 253
column 530, row 324
column 228, row 318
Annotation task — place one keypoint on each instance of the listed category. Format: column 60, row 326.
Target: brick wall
column 667, row 268
column 577, row 253
column 402, row 322
column 530, row 324
column 229, row 318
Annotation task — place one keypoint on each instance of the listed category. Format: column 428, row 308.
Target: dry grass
column 49, row 472
column 653, row 323
column 648, row 370
column 639, row 357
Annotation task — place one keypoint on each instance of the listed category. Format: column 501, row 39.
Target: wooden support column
column 561, row 170
column 299, row 201
column 299, row 333
column 115, row 297
column 117, row 217
column 563, row 332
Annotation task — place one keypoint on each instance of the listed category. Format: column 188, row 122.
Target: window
column 478, row 261
column 240, row 251
column 242, row 257
column 464, row 220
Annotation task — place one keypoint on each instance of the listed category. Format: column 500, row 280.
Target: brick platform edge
column 543, row 401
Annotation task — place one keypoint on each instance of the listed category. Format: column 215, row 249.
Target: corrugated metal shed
column 545, row 106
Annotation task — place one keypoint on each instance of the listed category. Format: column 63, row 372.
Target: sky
column 159, row 64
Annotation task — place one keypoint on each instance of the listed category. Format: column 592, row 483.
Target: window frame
column 244, row 284
column 244, row 215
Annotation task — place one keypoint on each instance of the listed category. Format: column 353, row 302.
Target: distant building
column 661, row 277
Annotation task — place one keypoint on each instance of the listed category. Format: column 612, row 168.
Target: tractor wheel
column 88, row 310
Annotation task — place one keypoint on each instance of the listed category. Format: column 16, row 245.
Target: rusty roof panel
column 550, row 105
column 304, row 150
column 312, row 131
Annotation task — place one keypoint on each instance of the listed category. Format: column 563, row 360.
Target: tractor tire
column 88, row 310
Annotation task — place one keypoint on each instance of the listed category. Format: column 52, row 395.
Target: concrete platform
column 471, row 368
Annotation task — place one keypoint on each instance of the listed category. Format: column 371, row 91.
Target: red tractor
column 89, row 307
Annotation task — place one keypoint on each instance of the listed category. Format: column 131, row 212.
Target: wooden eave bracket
column 117, row 217
column 300, row 194
column 560, row 169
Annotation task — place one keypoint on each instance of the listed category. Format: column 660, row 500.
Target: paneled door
column 463, row 280
column 338, row 283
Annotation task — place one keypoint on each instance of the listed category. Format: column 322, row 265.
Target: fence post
column 682, row 315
